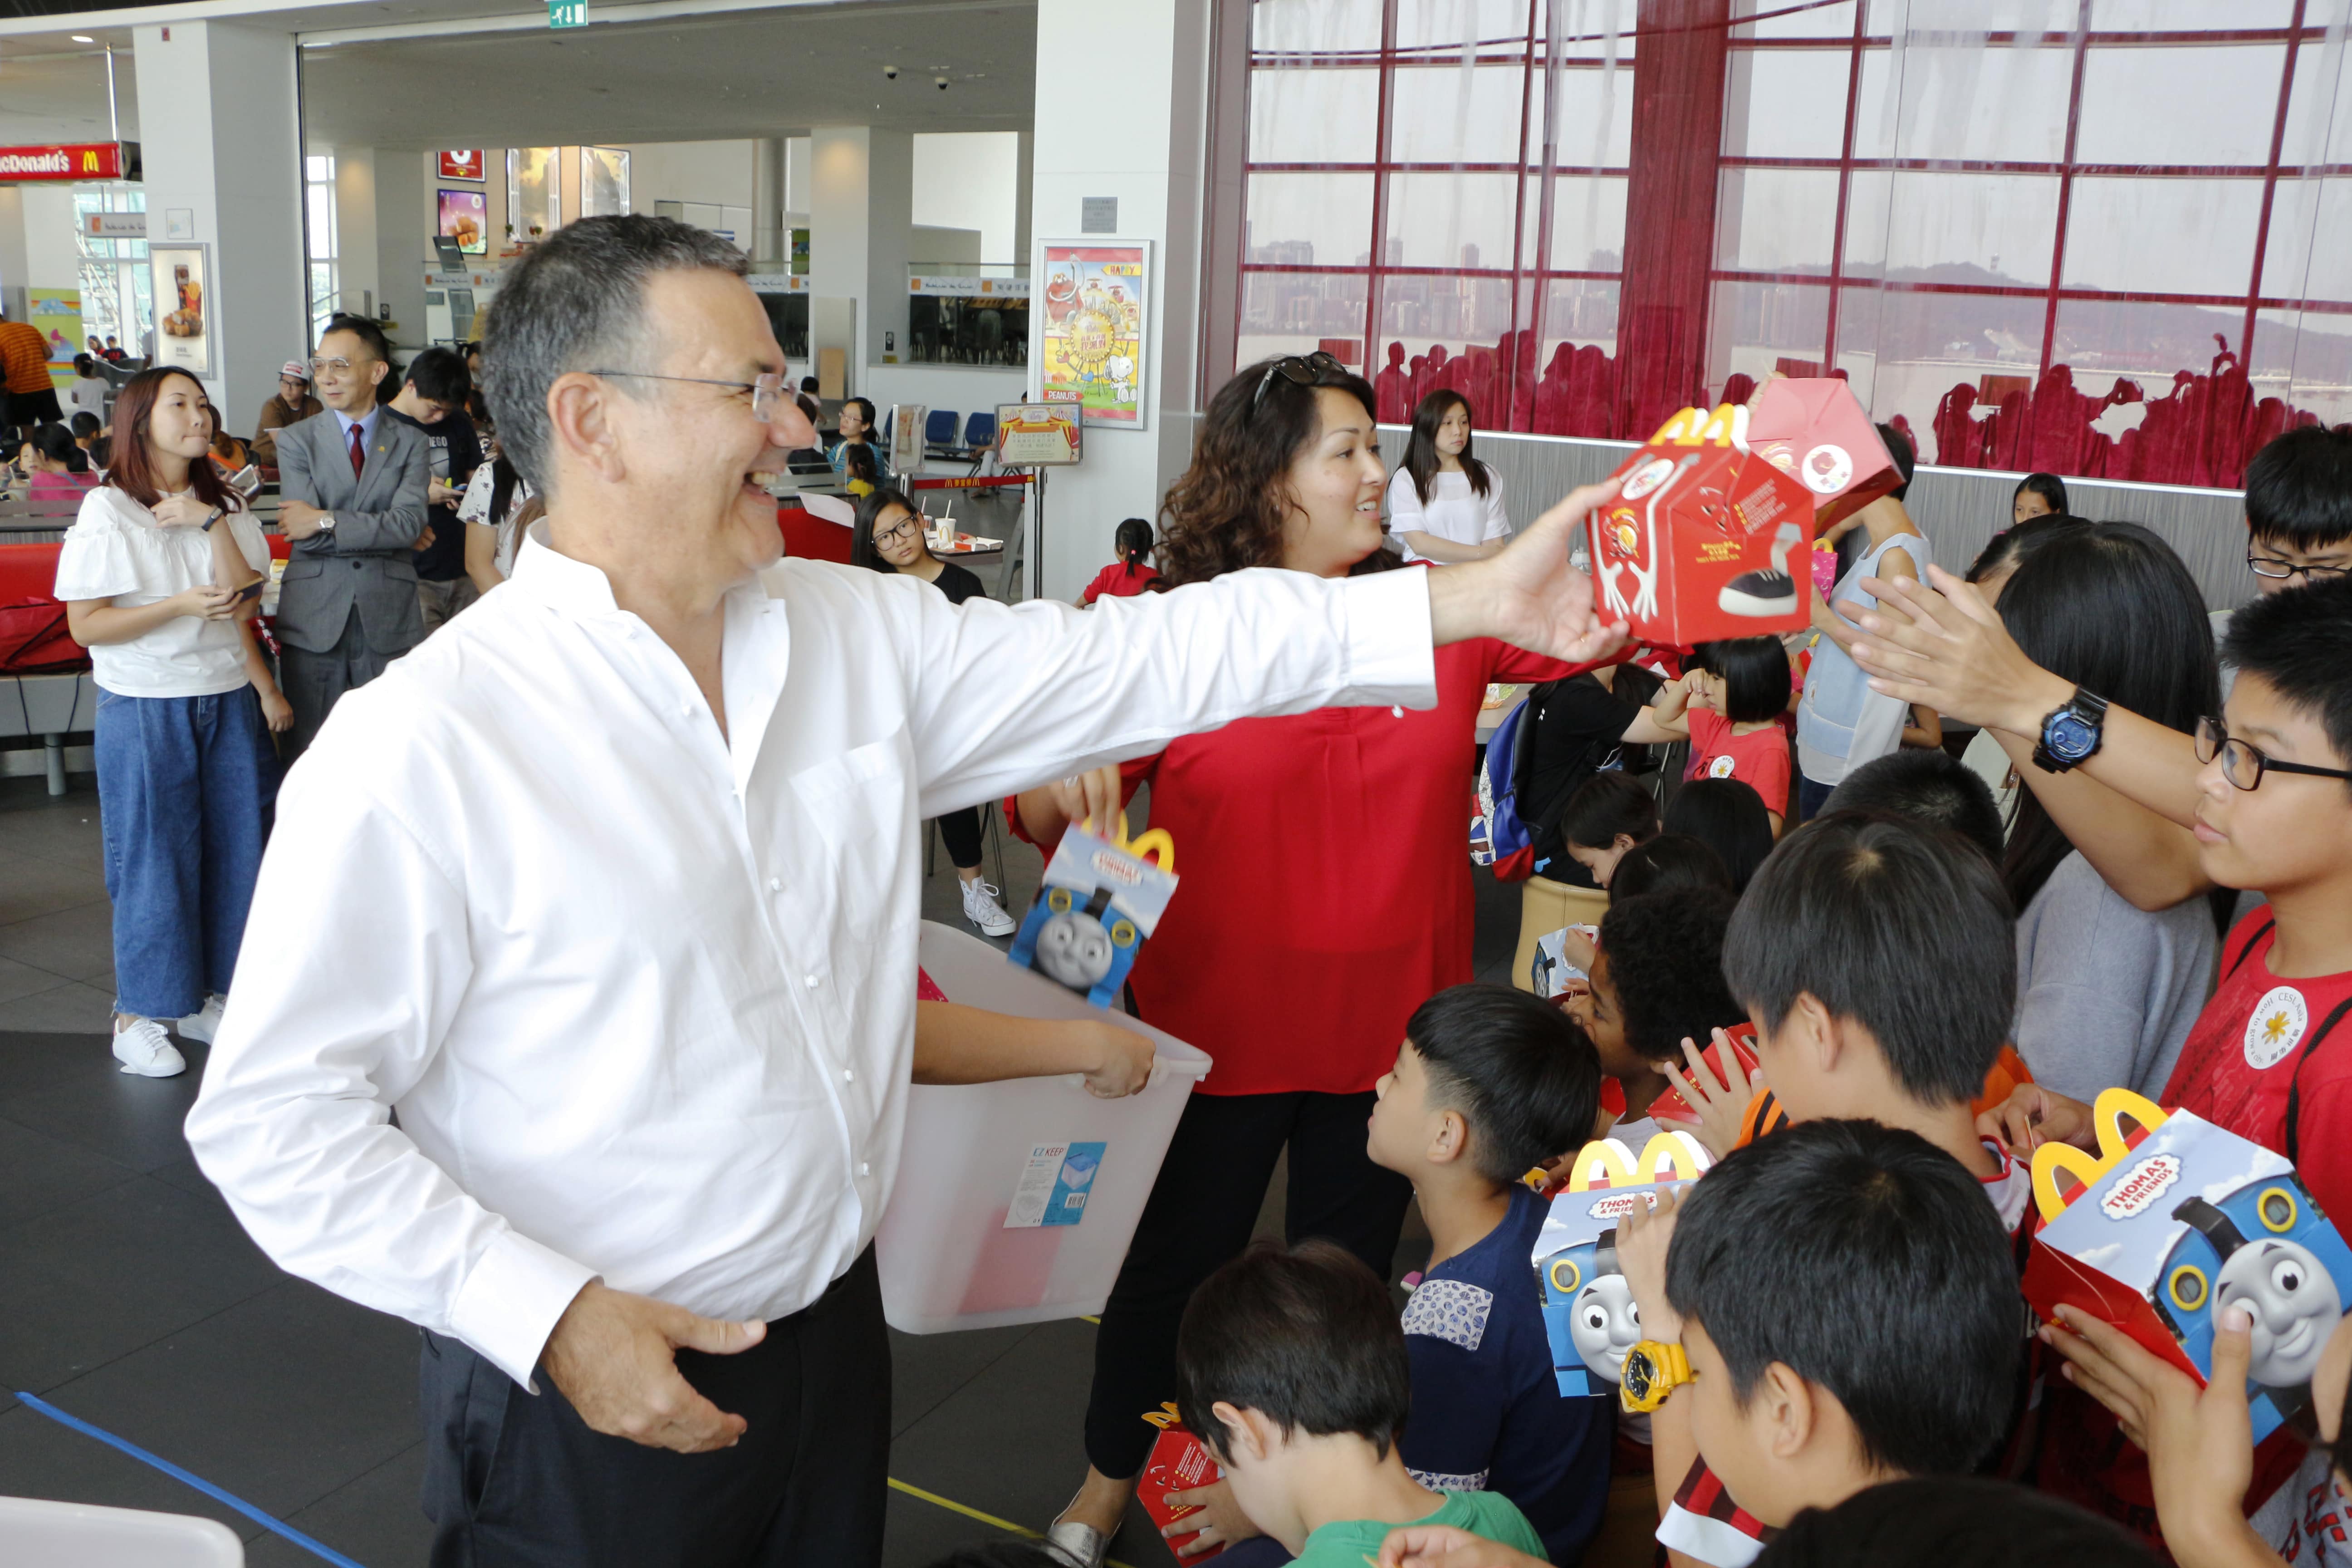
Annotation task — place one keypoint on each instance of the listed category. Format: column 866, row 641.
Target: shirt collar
column 366, row 426
column 577, row 588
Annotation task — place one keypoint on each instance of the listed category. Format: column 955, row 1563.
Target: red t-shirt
column 1120, row 582
column 1758, row 760
column 1324, row 880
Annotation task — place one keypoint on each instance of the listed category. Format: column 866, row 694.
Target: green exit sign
column 567, row 13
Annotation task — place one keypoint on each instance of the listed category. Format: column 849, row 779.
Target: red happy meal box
column 1179, row 1462
column 1698, row 543
column 1816, row 431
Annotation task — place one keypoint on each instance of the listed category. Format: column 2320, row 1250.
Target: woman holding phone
column 159, row 575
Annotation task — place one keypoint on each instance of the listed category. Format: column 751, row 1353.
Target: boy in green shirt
column 1291, row 1368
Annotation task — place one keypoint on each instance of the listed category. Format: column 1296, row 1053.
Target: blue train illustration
column 1078, row 938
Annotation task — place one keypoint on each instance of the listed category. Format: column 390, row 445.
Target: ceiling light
column 83, row 39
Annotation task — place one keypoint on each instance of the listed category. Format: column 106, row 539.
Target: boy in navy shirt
column 1488, row 1083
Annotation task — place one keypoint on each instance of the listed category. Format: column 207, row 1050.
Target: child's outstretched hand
column 1122, row 1057
column 2199, row 1441
column 1226, row 1523
column 1719, row 1106
column 2033, row 1116
column 1443, row 1546
column 1642, row 1238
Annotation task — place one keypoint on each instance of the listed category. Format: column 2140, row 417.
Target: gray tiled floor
column 130, row 1297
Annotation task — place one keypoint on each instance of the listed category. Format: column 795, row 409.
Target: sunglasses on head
column 1299, row 369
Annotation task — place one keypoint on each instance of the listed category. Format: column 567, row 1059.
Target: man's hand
column 1643, row 1237
column 2033, row 1116
column 1443, row 1546
column 423, row 541
column 299, row 518
column 1528, row 595
column 612, row 1355
column 1941, row 644
column 1226, row 1523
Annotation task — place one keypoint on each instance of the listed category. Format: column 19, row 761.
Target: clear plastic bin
column 973, row 1152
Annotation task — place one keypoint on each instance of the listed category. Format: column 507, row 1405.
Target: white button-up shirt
column 642, row 993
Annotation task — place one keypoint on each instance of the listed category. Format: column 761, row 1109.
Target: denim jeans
column 1811, row 797
column 186, row 788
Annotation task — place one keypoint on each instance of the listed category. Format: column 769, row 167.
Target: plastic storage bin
column 977, row 1155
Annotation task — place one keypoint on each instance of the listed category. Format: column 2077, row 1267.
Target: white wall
column 796, row 174
column 690, row 172
column 12, row 238
column 968, row 180
column 52, row 260
column 939, row 247
column 403, row 244
column 1136, row 135
column 963, row 388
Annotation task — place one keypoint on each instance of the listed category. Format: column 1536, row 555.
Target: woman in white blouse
column 491, row 510
column 159, row 573
column 1444, row 505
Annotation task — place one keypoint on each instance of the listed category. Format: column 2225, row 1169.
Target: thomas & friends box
column 1587, row 1307
column 2174, row 1219
column 1698, row 543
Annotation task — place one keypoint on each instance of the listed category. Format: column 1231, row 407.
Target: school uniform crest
column 2275, row 1025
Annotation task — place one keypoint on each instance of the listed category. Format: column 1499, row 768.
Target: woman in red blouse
column 1326, row 894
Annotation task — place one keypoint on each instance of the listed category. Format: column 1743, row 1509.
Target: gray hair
column 577, row 302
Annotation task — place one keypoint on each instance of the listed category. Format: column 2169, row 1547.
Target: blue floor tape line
column 178, row 1473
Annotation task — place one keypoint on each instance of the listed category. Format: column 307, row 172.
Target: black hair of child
column 2048, row 487
column 84, row 424
column 1907, row 460
column 439, row 375
column 1605, row 805
column 1133, row 541
column 2299, row 641
column 2299, row 488
column 1754, row 676
column 1729, row 817
column 1864, row 1259
column 1663, row 951
column 1900, row 928
column 1670, row 863
column 1926, row 785
column 2007, row 550
column 1930, row 1521
column 1517, row 1068
column 1306, row 1336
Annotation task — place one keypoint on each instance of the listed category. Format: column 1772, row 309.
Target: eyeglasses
column 1299, row 371
column 322, row 366
column 766, row 392
column 907, row 526
column 2244, row 766
column 2279, row 571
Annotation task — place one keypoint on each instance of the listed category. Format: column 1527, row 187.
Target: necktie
column 359, row 451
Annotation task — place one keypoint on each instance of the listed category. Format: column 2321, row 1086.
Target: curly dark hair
column 1665, row 963
column 1226, row 512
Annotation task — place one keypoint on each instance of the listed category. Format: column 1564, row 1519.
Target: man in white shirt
column 610, row 889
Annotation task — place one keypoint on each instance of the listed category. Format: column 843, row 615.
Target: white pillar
column 13, row 280
column 358, row 262
column 861, row 213
column 220, row 139
column 1135, row 135
column 767, row 200
column 403, row 243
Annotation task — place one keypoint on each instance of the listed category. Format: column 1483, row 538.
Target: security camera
column 891, row 72
column 941, row 82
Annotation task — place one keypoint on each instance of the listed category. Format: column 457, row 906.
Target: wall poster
column 183, row 307
column 466, row 218
column 1097, row 301
column 57, row 313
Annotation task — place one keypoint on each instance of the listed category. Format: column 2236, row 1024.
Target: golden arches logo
column 1667, row 1157
column 1727, row 426
column 2063, row 1172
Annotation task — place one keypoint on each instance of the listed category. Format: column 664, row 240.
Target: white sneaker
column 980, row 908
column 203, row 1023
column 143, row 1048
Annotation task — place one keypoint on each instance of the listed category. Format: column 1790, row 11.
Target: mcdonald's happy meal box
column 2173, row 1219
column 1587, row 1307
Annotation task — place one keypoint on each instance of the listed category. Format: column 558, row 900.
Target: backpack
column 1498, row 838
column 34, row 639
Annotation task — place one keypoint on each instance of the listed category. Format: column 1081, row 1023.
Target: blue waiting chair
column 979, row 432
column 940, row 433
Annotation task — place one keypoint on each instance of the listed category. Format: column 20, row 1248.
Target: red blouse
column 1325, row 891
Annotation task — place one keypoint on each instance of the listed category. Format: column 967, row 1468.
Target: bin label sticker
column 1054, row 1182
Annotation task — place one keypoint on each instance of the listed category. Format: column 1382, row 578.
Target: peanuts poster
column 1096, row 303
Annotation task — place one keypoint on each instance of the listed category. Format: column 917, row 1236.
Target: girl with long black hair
column 1444, row 505
column 2105, row 992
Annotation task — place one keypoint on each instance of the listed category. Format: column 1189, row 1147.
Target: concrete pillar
column 1135, row 135
column 13, row 280
column 1025, row 180
column 220, row 138
column 359, row 261
column 767, row 200
column 861, row 213
column 403, row 244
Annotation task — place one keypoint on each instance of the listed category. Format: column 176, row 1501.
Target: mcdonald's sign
column 68, row 160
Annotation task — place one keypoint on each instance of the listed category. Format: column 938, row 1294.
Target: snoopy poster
column 1097, row 300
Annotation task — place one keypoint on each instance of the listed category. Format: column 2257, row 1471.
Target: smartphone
column 250, row 591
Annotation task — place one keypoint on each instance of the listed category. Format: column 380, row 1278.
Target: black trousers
column 514, row 1481
column 959, row 831
column 1200, row 1215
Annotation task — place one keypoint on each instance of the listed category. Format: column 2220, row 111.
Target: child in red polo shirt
column 1728, row 702
column 2271, row 1056
column 1133, row 571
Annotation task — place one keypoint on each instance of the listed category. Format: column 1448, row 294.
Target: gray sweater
column 2107, row 993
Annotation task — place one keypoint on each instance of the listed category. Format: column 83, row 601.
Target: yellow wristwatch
column 1653, row 1371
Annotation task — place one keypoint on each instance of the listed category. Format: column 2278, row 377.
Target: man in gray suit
column 351, row 486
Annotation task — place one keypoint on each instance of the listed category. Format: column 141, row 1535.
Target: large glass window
column 113, row 272
column 319, row 223
column 2077, row 234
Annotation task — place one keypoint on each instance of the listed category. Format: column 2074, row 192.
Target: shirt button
column 812, row 981
column 775, row 884
column 1398, row 713
column 848, row 1075
column 865, row 1169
